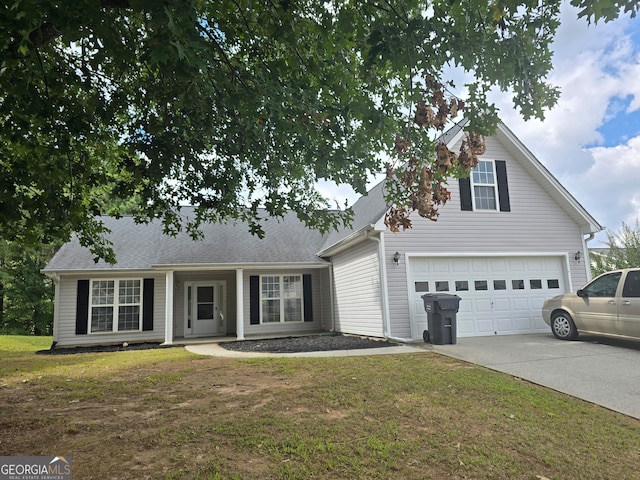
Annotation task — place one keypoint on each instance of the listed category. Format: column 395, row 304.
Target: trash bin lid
column 448, row 302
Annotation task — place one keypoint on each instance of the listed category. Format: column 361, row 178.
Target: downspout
column 386, row 325
column 585, row 254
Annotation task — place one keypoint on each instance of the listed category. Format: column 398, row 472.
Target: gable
column 524, row 189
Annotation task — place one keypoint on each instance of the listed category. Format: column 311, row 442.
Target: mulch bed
column 307, row 343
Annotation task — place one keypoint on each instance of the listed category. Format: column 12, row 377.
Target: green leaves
column 232, row 105
column 607, row 10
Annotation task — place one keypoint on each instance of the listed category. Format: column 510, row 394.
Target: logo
column 35, row 468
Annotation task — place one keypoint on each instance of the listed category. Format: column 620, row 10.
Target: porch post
column 168, row 322
column 239, row 304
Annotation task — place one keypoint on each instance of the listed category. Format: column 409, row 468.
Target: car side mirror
column 582, row 293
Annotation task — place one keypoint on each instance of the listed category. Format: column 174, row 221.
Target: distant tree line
column 26, row 295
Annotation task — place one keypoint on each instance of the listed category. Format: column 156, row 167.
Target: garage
column 500, row 295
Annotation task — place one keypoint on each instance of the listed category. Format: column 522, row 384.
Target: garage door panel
column 497, row 265
column 503, row 325
column 482, row 305
column 502, row 305
column 479, row 265
column 440, row 266
column 522, row 324
column 485, row 326
column 520, row 305
column 499, row 295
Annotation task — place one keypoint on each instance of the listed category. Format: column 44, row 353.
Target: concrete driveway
column 599, row 370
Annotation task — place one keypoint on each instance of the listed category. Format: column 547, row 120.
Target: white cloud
column 596, row 68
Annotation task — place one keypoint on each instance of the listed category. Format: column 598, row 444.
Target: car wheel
column 563, row 327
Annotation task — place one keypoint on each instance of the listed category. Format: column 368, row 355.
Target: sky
column 590, row 141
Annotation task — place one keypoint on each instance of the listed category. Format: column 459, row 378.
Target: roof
column 144, row 246
column 287, row 240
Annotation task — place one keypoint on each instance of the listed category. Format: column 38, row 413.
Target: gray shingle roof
column 141, row 246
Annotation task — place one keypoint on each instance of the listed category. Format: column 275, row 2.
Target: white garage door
column 499, row 295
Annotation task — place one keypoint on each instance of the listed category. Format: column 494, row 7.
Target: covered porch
column 219, row 303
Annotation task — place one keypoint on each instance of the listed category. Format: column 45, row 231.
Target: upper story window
column 483, row 180
column 486, row 188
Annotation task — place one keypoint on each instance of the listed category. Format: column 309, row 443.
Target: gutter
column 386, row 325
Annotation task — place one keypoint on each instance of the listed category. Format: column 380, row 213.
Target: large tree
column 233, row 105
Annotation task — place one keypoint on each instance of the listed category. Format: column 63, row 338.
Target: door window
column 205, row 303
column 632, row 285
column 604, row 286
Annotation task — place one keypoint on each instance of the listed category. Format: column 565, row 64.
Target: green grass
column 169, row 414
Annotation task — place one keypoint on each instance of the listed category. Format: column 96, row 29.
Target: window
column 632, row 284
column 442, row 286
column 553, row 283
column 535, row 284
column 483, row 180
column 499, row 284
column 517, row 284
column 422, row 286
column 281, row 298
column 462, row 286
column 481, row 285
column 115, row 305
column 604, row 286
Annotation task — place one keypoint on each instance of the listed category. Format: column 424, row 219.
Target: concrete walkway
column 599, row 370
column 216, row 350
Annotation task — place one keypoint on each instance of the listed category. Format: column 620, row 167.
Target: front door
column 205, row 315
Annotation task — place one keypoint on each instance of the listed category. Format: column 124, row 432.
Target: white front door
column 204, row 309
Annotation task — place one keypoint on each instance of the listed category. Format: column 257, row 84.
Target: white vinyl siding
column 65, row 334
column 536, row 223
column 318, row 277
column 358, row 298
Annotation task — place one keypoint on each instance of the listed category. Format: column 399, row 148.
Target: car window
column 604, row 286
column 632, row 284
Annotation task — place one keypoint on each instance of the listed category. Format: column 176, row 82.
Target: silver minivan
column 608, row 305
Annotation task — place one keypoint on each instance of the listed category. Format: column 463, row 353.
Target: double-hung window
column 483, row 181
column 116, row 305
column 487, row 188
column 281, row 298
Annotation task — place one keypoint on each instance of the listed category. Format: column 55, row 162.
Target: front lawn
column 169, row 414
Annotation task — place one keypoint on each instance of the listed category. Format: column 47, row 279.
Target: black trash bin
column 441, row 311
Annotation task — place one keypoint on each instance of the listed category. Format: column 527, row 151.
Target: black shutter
column 503, row 185
column 254, row 300
column 147, row 304
column 465, row 194
column 308, row 305
column 82, row 307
